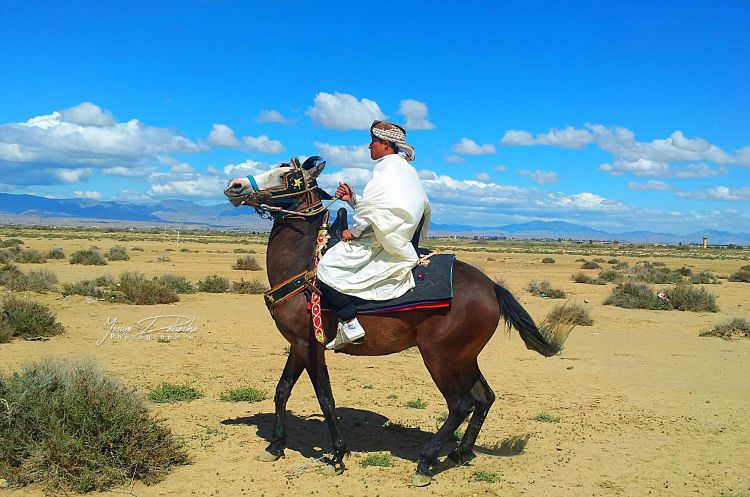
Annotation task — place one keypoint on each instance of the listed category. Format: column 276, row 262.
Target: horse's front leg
column 318, row 372
column 292, row 371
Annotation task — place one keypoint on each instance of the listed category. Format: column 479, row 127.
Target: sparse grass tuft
column 243, row 394
column 72, row 428
column 88, row 257
column 247, row 263
column 381, row 460
column 733, row 329
column 244, row 251
column 485, row 476
column 416, row 404
column 29, row 319
column 544, row 417
column 169, row 392
column 214, row 284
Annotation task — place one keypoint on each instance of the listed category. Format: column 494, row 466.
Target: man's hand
column 344, row 192
column 347, row 236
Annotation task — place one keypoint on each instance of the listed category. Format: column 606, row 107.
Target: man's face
column 379, row 148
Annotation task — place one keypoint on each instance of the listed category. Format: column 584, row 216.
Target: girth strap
column 288, row 289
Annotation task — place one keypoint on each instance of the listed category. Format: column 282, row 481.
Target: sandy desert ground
column 646, row 407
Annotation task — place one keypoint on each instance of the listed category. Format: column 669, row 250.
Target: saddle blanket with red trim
column 433, row 289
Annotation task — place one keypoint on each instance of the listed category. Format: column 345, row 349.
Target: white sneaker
column 347, row 333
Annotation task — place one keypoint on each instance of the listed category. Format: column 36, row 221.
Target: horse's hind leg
column 318, row 372
column 483, row 398
column 292, row 371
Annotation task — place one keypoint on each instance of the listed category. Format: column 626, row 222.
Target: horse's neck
column 290, row 248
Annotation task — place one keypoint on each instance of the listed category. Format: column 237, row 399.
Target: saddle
column 433, row 276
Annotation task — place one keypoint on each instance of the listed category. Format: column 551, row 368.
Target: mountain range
column 31, row 209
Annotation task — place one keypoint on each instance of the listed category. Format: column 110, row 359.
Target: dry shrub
column 247, row 263
column 580, row 277
column 734, row 329
column 70, row 427
column 31, row 256
column 178, row 283
column 743, row 275
column 56, row 253
column 88, row 257
column 87, row 288
column 35, row 281
column 140, row 291
column 544, row 289
column 8, row 273
column 29, row 319
column 214, row 284
column 117, row 253
column 610, row 275
column 571, row 314
column 249, row 286
column 590, row 265
column 705, row 278
column 548, row 260
column 632, row 295
column 690, row 298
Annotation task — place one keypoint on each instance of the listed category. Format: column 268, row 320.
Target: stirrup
column 342, row 340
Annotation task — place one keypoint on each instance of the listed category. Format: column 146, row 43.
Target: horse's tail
column 515, row 315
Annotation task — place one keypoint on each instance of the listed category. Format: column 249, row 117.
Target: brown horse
column 449, row 339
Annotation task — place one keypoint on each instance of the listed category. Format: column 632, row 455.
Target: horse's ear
column 313, row 166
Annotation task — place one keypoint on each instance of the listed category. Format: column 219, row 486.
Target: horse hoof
column 333, row 470
column 266, row 456
column 461, row 458
column 420, row 480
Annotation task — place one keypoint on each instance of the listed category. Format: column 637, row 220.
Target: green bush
column 705, row 278
column 140, row 291
column 169, row 392
column 178, row 283
column 733, row 329
column 56, row 253
column 11, row 242
column 243, row 394
column 416, row 404
column 544, row 289
column 380, row 460
column 247, row 263
column 632, row 295
column 690, row 298
column 87, row 288
column 29, row 319
column 35, row 281
column 31, row 256
column 88, row 257
column 117, row 253
column 610, row 275
column 214, row 284
column 485, row 476
column 72, row 428
column 249, row 286
column 548, row 260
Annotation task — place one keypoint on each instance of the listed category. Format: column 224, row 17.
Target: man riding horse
column 377, row 256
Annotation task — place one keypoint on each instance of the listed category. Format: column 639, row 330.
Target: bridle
column 299, row 196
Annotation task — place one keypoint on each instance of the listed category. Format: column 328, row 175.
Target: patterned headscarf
column 395, row 134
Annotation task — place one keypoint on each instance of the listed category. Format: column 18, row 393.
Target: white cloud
column 484, row 177
column 651, row 185
column 70, row 142
column 271, row 116
column 569, row 137
column 343, row 111
column 427, row 174
column 516, row 137
column 346, row 156
column 222, row 136
column 415, row 113
column 176, row 166
column 742, row 157
column 454, row 159
column 263, row 144
column 718, row 193
column 357, row 178
column 540, row 177
column 470, row 147
column 89, row 195
column 127, row 172
column 247, row 168
column 198, row 186
column 500, row 168
column 87, row 114
column 639, row 167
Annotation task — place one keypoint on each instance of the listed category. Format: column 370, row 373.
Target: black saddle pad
column 433, row 288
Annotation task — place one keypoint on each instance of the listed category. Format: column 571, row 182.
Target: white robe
column 377, row 265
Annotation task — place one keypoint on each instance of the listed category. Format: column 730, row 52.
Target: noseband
column 297, row 196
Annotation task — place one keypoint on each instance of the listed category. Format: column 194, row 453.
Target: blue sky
column 618, row 115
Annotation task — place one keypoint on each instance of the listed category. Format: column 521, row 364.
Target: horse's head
column 291, row 186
